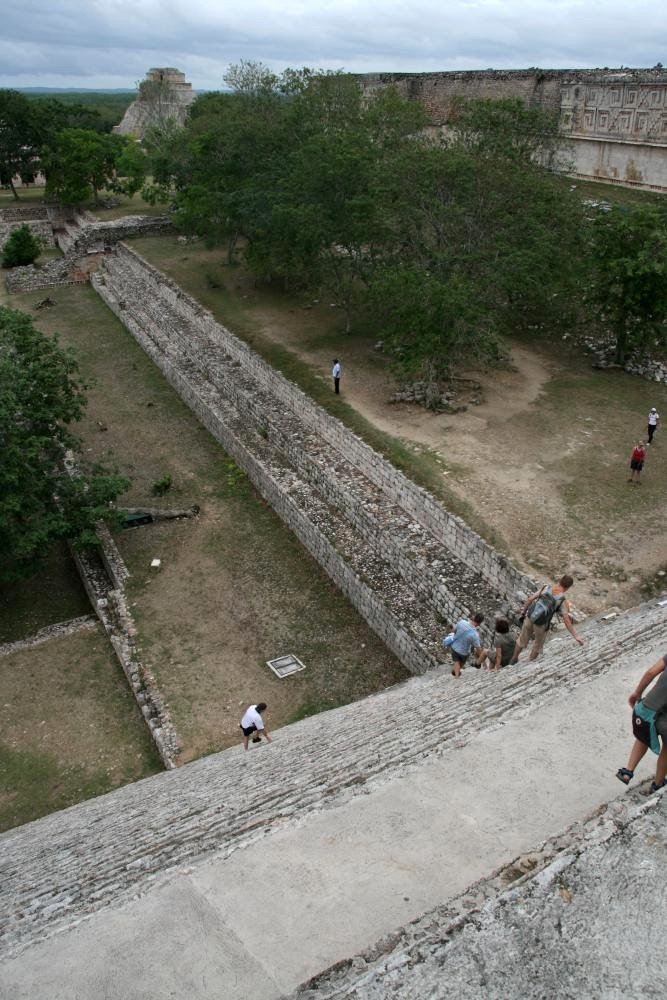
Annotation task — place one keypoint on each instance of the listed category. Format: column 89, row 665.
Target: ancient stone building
column 614, row 122
column 164, row 95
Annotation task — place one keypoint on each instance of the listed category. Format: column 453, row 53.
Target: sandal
column 656, row 788
column 625, row 775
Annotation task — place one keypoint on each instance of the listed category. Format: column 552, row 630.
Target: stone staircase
column 59, row 869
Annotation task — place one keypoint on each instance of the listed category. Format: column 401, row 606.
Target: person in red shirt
column 637, row 462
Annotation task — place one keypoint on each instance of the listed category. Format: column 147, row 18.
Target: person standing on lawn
column 653, row 421
column 336, row 373
column 649, row 724
column 637, row 462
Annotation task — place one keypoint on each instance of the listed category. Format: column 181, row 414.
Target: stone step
column 60, row 868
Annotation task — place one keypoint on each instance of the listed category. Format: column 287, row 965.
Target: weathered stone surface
column 61, row 868
column 165, row 95
column 613, row 121
column 562, row 931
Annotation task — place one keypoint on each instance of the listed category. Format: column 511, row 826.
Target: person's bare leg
column 245, row 742
column 661, row 766
column 636, row 754
column 456, row 669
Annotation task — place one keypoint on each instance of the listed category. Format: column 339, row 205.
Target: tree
column 22, row 247
column 629, row 289
column 79, row 162
column 17, row 138
column 41, row 395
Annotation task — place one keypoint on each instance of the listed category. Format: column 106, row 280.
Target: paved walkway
column 329, row 883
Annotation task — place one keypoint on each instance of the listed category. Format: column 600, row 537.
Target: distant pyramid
column 164, row 95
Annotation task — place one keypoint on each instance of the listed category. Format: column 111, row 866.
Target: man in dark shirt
column 649, row 724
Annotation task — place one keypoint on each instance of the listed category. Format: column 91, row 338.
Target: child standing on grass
column 649, row 724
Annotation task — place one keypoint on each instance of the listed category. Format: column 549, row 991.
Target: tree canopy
column 41, row 395
column 629, row 276
column 78, row 162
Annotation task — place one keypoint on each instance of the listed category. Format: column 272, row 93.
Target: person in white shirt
column 653, row 421
column 252, row 722
column 336, row 371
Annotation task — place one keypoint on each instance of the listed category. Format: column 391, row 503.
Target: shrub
column 22, row 247
column 162, row 486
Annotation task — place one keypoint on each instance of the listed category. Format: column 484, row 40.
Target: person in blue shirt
column 466, row 641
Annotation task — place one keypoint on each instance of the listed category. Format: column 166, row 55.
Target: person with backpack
column 538, row 612
column 637, row 460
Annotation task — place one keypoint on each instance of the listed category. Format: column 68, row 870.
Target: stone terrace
column 63, row 867
column 405, row 563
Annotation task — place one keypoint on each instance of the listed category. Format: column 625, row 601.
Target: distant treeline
column 110, row 106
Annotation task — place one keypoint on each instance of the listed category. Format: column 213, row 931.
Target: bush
column 162, row 486
column 22, row 247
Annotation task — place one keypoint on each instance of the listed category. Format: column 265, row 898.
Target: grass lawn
column 69, row 727
column 53, row 594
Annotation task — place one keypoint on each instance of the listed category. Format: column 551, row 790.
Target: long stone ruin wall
column 405, row 562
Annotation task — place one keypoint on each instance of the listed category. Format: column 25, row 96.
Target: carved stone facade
column 165, row 95
column 614, row 122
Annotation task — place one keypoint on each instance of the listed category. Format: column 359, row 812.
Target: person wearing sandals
column 649, row 724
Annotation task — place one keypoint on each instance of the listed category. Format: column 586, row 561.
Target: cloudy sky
column 111, row 43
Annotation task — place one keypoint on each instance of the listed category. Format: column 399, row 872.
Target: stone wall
column 405, row 562
column 41, row 229
column 614, row 121
column 79, row 238
column 103, row 574
column 23, row 213
column 113, row 847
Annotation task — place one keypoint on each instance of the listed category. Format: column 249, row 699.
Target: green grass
column 34, row 784
column 617, row 194
column 53, row 594
column 70, row 727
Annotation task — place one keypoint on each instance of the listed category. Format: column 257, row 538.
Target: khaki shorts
column 531, row 631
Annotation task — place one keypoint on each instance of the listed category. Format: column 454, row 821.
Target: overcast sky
column 111, row 43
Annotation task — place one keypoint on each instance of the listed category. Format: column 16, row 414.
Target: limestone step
column 60, row 868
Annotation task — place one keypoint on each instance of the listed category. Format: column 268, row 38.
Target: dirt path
column 527, row 458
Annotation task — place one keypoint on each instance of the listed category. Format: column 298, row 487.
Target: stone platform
column 256, row 871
